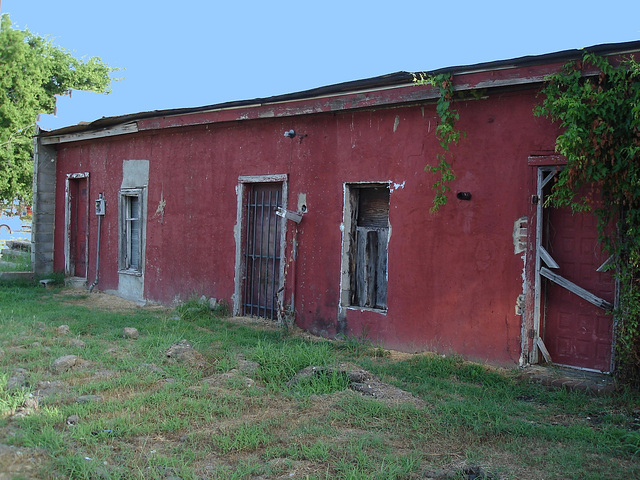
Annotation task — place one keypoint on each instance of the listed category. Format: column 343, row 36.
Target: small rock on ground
column 67, row 362
column 184, row 352
column 63, row 330
column 73, row 420
column 76, row 342
column 88, row 398
column 130, row 332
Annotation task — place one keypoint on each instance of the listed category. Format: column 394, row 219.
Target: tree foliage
column 32, row 72
column 597, row 104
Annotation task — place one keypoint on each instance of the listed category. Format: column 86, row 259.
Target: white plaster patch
column 395, row 186
column 396, row 123
column 521, row 309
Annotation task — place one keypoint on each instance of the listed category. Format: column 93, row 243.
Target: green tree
column 32, row 72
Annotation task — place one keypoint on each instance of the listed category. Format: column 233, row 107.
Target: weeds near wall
column 446, row 132
column 597, row 104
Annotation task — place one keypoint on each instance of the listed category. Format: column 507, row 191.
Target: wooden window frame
column 365, row 252
column 126, row 230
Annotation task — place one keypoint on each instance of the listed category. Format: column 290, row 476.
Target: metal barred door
column 262, row 250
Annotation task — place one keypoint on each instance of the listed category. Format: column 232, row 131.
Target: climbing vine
column 597, row 105
column 446, row 132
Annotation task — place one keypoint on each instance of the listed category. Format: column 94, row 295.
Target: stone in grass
column 67, row 362
column 63, row 330
column 130, row 332
column 89, row 399
column 50, row 388
column 184, row 352
column 17, row 380
column 73, row 420
column 212, row 302
column 76, row 342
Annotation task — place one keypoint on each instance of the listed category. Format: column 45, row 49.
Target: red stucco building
column 315, row 205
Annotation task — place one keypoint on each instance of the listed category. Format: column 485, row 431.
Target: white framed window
column 131, row 230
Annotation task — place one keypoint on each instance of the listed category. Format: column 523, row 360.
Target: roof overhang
column 386, row 90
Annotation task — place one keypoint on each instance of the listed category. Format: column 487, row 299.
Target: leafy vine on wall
column 597, row 106
column 446, row 132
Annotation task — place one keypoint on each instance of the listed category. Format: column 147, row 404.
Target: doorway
column 77, row 221
column 261, row 248
column 575, row 289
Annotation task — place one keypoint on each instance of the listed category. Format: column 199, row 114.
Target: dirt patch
column 22, row 462
column 105, row 301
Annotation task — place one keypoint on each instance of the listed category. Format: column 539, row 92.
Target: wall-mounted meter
column 100, row 206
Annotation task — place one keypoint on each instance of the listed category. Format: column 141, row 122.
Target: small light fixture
column 463, row 195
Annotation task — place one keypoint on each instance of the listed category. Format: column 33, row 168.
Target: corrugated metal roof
column 392, row 79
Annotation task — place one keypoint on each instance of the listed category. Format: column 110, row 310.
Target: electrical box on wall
column 100, row 206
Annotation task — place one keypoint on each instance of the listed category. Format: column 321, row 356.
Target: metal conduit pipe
column 100, row 214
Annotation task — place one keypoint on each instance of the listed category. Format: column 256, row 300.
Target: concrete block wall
column 44, row 191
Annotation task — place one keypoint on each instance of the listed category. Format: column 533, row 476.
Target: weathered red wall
column 453, row 277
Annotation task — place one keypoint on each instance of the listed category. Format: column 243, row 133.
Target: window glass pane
column 131, row 230
column 134, row 225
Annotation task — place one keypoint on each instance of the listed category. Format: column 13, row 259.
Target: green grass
column 158, row 417
column 11, row 398
column 16, row 264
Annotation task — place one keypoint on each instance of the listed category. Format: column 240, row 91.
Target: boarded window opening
column 367, row 244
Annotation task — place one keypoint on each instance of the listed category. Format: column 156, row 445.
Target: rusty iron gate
column 262, row 250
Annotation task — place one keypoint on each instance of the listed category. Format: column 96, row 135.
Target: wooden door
column 78, row 198
column 577, row 328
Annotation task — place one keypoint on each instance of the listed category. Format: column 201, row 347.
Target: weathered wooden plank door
column 577, row 329
column 370, row 222
column 78, row 226
column 263, row 229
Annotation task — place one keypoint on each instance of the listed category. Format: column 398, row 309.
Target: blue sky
column 201, row 52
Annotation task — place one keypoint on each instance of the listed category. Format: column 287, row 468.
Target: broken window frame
column 365, row 247
column 131, row 230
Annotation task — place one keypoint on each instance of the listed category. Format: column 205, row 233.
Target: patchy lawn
column 95, row 387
